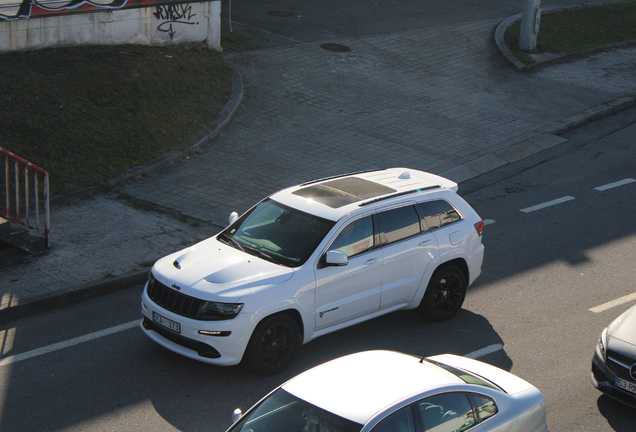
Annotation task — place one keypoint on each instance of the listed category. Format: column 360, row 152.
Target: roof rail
column 340, row 175
column 398, row 194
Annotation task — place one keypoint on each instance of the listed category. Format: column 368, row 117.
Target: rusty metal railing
column 19, row 176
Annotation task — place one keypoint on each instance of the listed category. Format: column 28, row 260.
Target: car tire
column 273, row 345
column 445, row 294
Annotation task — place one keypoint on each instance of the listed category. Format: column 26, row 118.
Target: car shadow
column 212, row 393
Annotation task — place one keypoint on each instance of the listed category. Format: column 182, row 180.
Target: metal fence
column 26, row 194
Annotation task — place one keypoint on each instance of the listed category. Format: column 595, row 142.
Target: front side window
column 355, row 238
column 398, row 224
column 277, row 233
column 449, row 412
column 436, row 214
column 282, row 411
column 400, row 421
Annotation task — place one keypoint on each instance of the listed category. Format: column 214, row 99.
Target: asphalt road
column 89, row 368
column 326, row 20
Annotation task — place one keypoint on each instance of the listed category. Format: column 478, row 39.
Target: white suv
column 312, row 259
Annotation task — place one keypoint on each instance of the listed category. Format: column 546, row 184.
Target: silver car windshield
column 277, row 233
column 282, row 411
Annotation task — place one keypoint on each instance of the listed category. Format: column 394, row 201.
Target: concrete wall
column 154, row 25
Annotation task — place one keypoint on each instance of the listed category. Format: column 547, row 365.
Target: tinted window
column 435, row 214
column 355, row 238
column 398, row 224
column 450, row 412
column 283, row 412
column 486, row 407
column 401, row 421
column 277, row 233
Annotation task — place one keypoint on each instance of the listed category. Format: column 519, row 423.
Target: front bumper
column 604, row 379
column 224, row 349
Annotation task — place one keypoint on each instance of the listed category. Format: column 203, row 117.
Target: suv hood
column 214, row 271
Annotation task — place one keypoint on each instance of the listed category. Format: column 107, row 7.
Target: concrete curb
column 197, row 142
column 73, row 295
column 519, row 66
column 535, row 144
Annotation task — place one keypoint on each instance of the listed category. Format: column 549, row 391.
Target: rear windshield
column 468, row 377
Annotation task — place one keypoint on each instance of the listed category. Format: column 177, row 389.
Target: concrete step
column 21, row 237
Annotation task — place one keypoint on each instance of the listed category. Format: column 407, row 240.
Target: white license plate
column 626, row 385
column 165, row 322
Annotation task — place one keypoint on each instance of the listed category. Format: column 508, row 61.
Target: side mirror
column 336, row 258
column 233, row 217
column 236, row 415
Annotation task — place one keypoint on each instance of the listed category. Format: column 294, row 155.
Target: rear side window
column 449, row 412
column 436, row 214
column 398, row 224
column 485, row 406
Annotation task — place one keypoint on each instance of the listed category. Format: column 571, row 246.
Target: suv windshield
column 282, row 411
column 277, row 233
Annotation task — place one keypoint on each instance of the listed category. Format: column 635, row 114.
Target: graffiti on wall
column 172, row 16
column 20, row 9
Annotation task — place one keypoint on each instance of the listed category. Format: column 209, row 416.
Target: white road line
column 489, row 221
column 615, row 184
column 485, row 351
column 69, row 343
column 613, row 303
column 547, row 204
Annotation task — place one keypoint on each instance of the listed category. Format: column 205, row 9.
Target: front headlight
column 602, row 344
column 214, row 311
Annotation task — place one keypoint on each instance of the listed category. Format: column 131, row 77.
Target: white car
column 614, row 361
column 384, row 391
column 312, row 259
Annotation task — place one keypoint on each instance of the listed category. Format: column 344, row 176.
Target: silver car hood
column 621, row 333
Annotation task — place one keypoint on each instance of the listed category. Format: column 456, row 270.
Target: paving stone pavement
column 436, row 99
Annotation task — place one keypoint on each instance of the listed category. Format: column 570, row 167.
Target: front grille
column 204, row 350
column 612, row 362
column 174, row 301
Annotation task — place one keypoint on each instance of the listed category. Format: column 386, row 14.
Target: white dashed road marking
column 69, row 343
column 488, row 221
column 547, row 204
column 613, row 303
column 615, row 184
column 485, row 351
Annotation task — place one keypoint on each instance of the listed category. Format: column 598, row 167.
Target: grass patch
column 236, row 40
column 580, row 29
column 87, row 114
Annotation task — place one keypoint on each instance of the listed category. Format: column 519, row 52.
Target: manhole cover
column 334, row 47
column 281, row 14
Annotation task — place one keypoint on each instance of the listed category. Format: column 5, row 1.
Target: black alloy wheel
column 445, row 294
column 273, row 345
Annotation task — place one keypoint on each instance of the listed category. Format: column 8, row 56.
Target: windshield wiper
column 262, row 254
column 230, row 241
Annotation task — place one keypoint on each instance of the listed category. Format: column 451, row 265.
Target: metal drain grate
column 334, row 47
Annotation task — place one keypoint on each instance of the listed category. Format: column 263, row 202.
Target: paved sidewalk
column 437, row 99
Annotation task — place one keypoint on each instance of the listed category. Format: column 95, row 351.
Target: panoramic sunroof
column 340, row 192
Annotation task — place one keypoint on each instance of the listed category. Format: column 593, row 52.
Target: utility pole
column 530, row 25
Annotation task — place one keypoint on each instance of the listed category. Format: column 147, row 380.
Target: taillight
column 479, row 227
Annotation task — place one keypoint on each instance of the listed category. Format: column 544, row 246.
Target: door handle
column 425, row 242
column 371, row 261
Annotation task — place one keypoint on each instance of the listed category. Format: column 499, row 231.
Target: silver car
column 386, row 391
column 614, row 361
